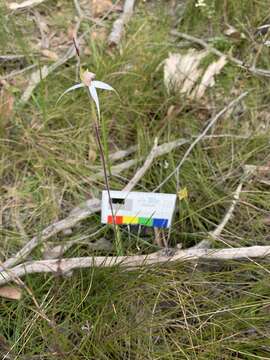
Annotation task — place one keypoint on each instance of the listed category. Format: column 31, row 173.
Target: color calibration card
column 138, row 208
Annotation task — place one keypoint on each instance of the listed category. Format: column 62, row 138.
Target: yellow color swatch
column 130, row 220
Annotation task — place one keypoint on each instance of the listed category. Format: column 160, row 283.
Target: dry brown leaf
column 49, row 54
column 100, row 7
column 11, row 292
column 183, row 73
column 232, row 32
column 208, row 78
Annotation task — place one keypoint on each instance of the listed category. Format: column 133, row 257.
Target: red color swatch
column 117, row 219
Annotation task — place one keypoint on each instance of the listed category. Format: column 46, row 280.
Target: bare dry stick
column 118, row 25
column 139, row 174
column 163, row 256
column 10, row 58
column 204, row 44
column 123, row 153
column 45, row 40
column 218, row 230
column 201, row 136
column 78, row 8
column 206, row 243
column 85, row 210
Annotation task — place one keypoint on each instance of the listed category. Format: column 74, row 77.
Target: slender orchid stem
column 118, row 242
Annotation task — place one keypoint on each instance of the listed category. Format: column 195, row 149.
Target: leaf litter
column 184, row 74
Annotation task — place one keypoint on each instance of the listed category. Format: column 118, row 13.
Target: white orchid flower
column 88, row 82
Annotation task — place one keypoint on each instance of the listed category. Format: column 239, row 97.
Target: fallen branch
column 63, row 266
column 205, row 45
column 24, row 5
column 201, row 136
column 85, row 210
column 119, row 24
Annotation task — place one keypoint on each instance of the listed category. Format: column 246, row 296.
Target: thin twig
column 206, row 243
column 119, row 24
column 160, row 257
column 218, row 230
column 139, row 174
column 11, row 58
column 80, row 213
column 45, row 41
column 204, row 44
column 201, row 136
column 123, row 153
column 78, row 8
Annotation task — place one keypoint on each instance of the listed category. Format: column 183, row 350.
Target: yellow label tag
column 183, row 193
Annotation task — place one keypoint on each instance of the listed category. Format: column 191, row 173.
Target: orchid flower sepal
column 91, row 85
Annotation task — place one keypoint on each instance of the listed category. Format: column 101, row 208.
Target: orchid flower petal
column 74, row 87
column 94, row 96
column 102, row 85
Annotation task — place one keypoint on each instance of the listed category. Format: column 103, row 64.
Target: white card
column 142, row 208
